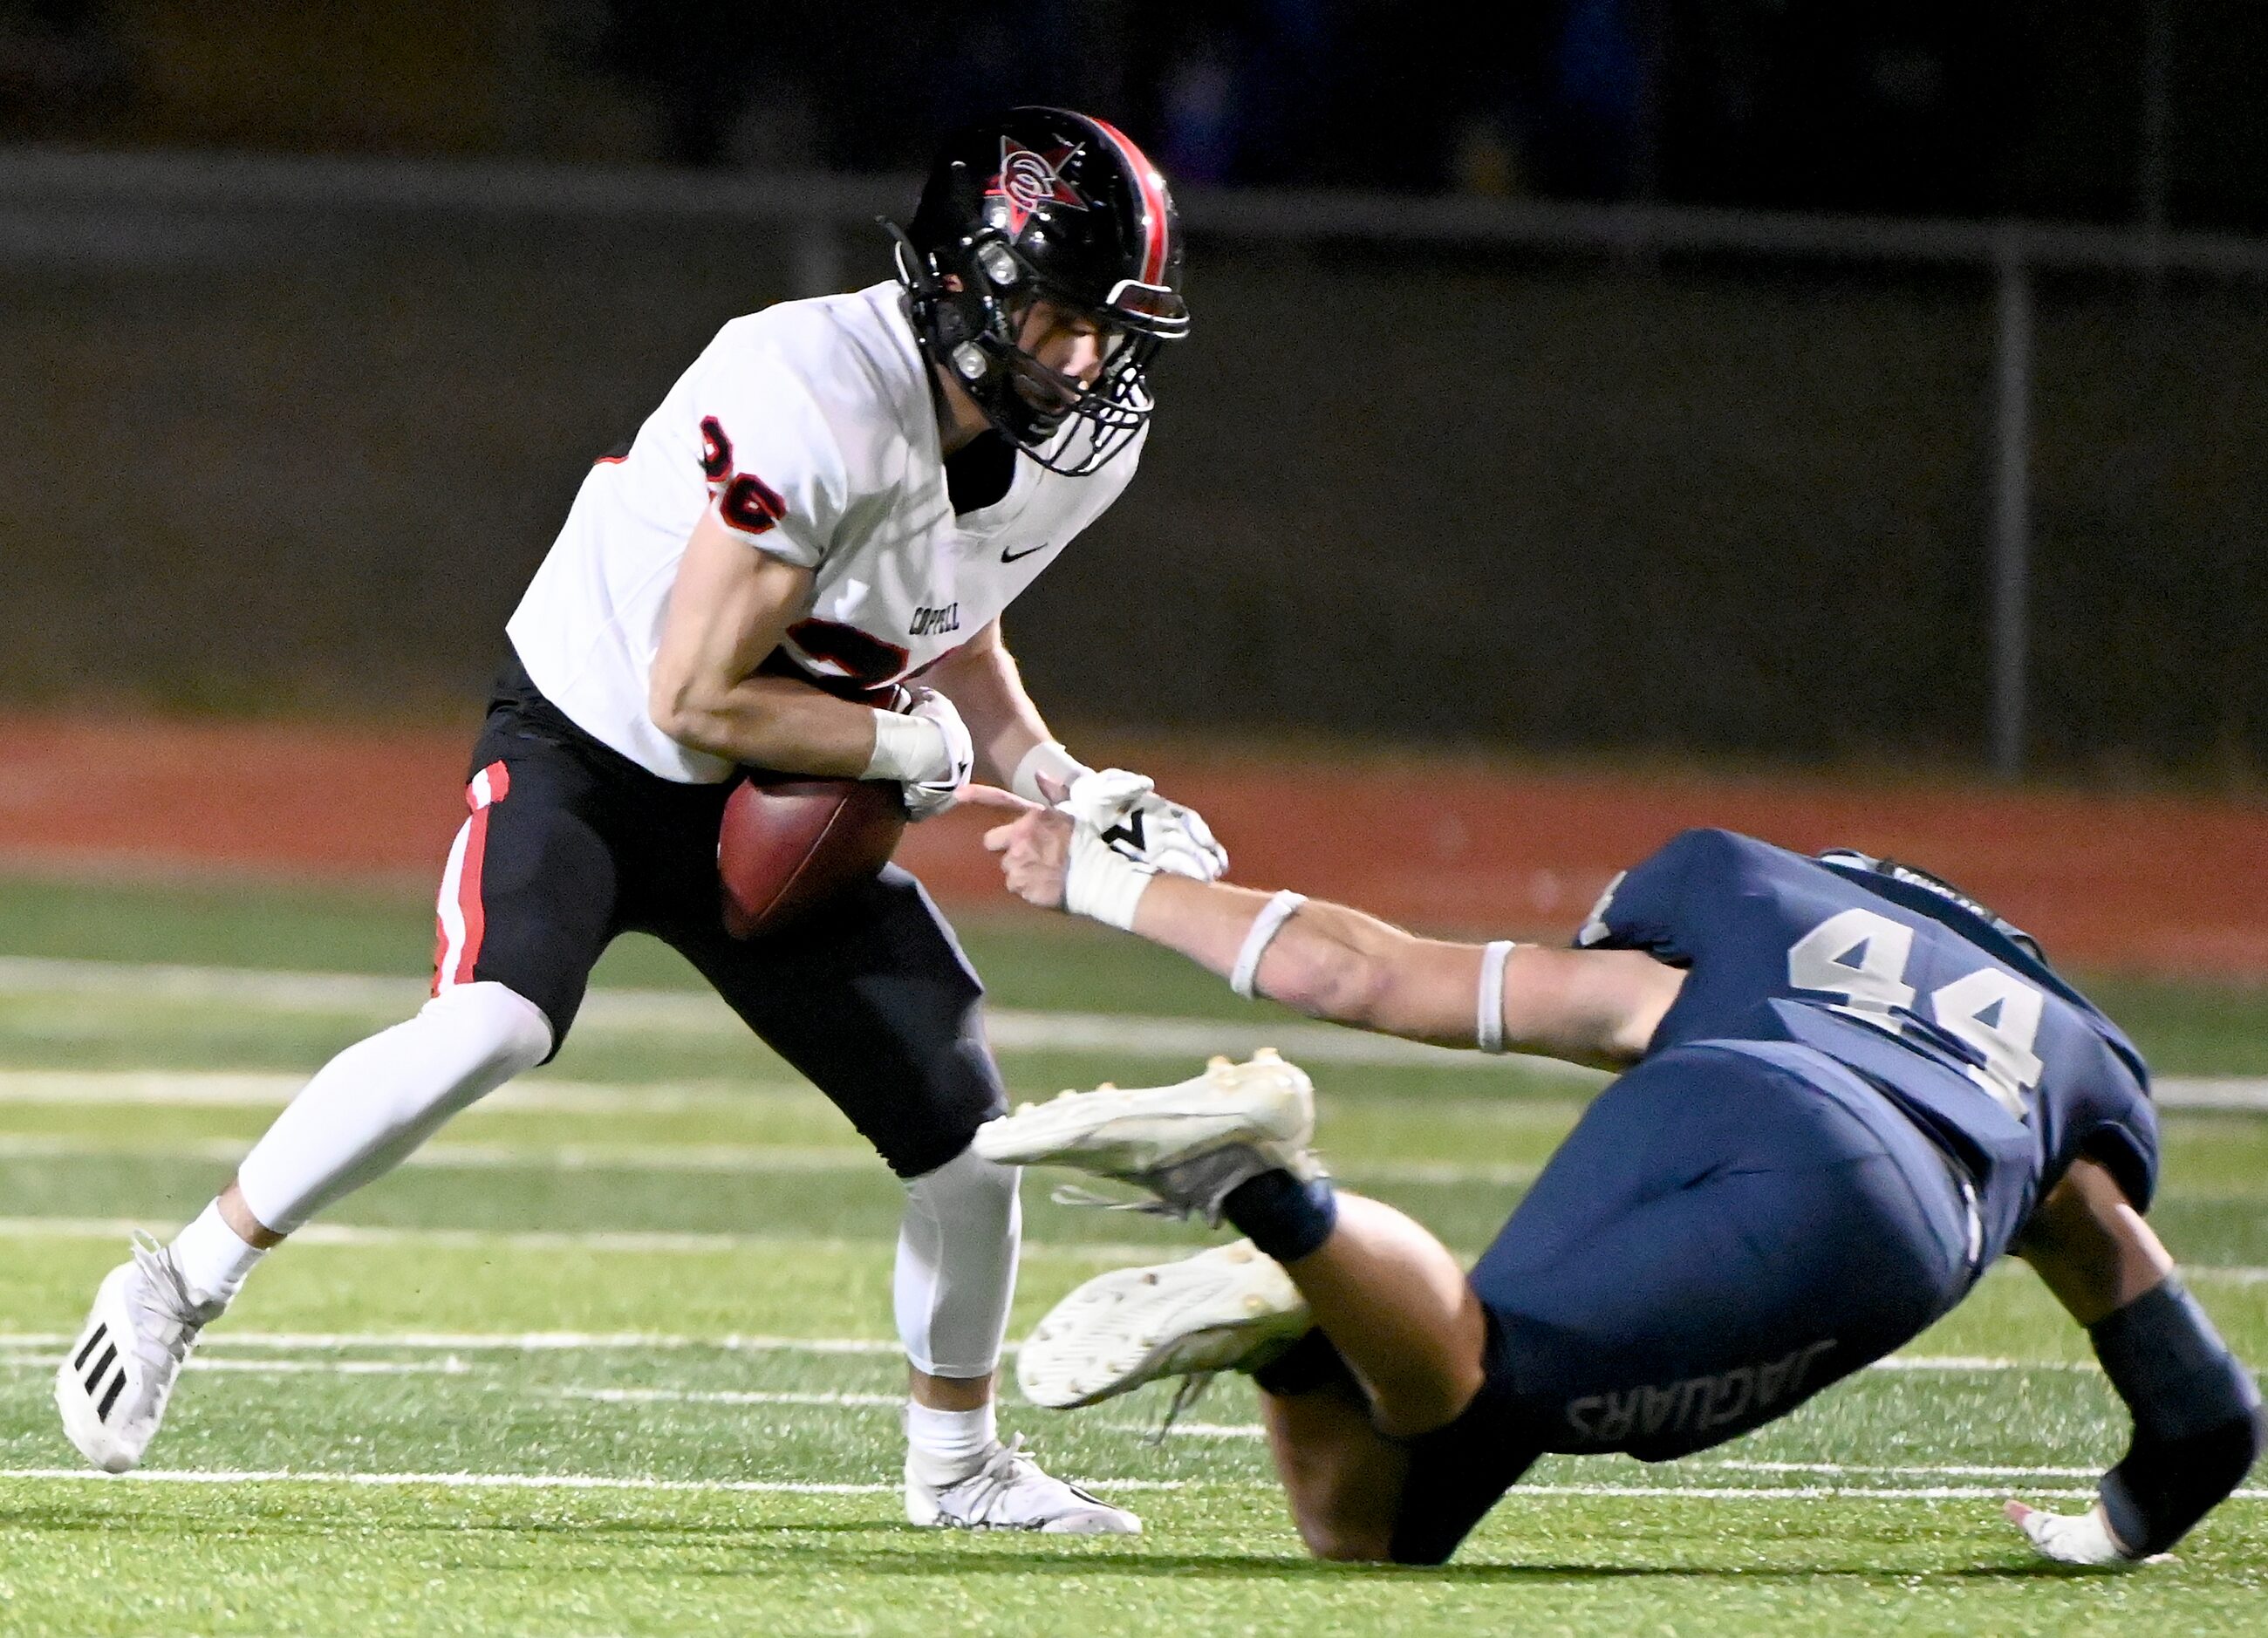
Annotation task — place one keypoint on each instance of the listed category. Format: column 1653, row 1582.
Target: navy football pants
column 1731, row 1227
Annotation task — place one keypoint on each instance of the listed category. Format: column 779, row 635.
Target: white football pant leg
column 957, row 1270
column 379, row 1098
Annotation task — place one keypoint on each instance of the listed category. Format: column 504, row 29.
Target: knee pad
column 493, row 1031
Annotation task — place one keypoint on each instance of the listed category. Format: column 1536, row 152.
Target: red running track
column 2146, row 884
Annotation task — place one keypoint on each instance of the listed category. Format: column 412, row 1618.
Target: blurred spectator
column 1198, row 113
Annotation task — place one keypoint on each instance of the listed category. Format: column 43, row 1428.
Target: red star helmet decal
column 1027, row 181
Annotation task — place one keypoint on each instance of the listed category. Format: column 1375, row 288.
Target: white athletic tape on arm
column 1101, row 885
column 909, row 749
column 1265, row 926
column 1048, row 758
column 1490, row 1012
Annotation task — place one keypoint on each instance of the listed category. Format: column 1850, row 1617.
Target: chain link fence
column 290, row 437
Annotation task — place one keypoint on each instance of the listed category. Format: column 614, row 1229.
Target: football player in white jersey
column 798, row 564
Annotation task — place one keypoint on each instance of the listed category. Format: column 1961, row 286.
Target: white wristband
column 1489, row 1013
column 909, row 749
column 1102, row 884
column 1265, row 926
column 1048, row 758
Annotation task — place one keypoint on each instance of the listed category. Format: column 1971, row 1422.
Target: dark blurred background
column 282, row 448
column 2101, row 112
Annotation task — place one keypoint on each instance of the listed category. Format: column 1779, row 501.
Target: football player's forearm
column 2196, row 1410
column 772, row 722
column 2090, row 1247
column 1327, row 960
column 729, row 609
column 1207, row 921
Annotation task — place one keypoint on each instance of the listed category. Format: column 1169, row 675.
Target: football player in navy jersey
column 1846, row 1088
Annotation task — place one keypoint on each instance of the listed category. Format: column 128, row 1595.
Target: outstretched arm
column 1598, row 1007
column 2196, row 1410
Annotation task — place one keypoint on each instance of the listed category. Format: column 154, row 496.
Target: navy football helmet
column 1043, row 202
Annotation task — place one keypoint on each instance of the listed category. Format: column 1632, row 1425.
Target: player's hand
column 1143, row 828
column 2074, row 1538
column 926, row 799
column 1034, row 846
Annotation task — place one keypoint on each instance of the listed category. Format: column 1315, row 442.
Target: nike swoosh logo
column 1007, row 556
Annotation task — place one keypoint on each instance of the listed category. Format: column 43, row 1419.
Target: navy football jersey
column 1949, row 1011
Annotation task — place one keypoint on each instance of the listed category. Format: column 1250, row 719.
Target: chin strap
column 939, row 325
column 913, row 269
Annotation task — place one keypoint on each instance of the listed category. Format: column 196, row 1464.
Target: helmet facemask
column 979, row 293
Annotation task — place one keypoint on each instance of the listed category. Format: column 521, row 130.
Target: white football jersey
column 809, row 428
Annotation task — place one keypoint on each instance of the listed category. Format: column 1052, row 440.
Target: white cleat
column 1227, row 1309
column 1011, row 1491
column 1189, row 1143
column 2077, row 1537
column 113, row 1386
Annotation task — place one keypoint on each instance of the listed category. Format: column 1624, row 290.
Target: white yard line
column 699, row 1012
column 722, row 1396
column 454, row 1157
column 205, row 1089
column 2243, row 1093
column 2026, row 1473
column 728, row 1158
column 665, row 1157
column 42, row 1360
column 518, row 1481
column 1013, row 1030
column 1806, row 1492
column 499, row 1342
column 1951, row 1470
column 776, row 1486
column 1977, row 1361
column 668, row 1242
column 208, row 1089
column 573, row 1341
column 611, row 1241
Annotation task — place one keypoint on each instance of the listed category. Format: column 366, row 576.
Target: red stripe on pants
column 451, row 967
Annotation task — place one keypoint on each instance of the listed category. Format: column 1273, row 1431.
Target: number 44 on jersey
column 1861, row 956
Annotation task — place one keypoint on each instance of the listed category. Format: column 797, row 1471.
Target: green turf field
column 614, row 1355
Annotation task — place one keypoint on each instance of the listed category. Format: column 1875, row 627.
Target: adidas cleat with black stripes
column 113, row 1384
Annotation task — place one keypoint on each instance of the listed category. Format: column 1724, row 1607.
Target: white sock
column 213, row 1258
column 944, row 1447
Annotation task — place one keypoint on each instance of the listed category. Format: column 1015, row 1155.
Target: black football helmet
column 1043, row 202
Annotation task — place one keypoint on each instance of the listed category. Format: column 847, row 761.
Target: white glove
column 927, row 750
column 1141, row 825
column 2074, row 1538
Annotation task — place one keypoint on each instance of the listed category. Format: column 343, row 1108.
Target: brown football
column 790, row 843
